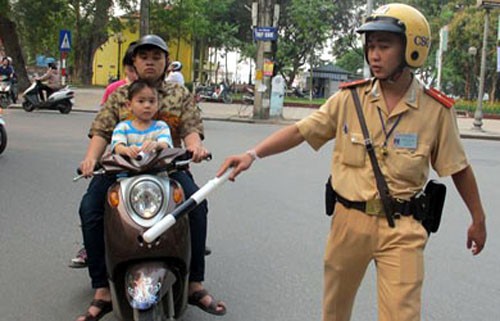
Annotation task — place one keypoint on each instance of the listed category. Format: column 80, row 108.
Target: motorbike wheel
column 3, row 139
column 64, row 107
column 227, row 99
column 29, row 107
column 4, row 101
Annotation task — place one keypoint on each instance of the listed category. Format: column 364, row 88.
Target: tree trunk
column 13, row 49
column 87, row 44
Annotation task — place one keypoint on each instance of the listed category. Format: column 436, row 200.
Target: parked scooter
column 248, row 96
column 62, row 99
column 147, row 256
column 5, row 91
column 218, row 92
column 3, row 133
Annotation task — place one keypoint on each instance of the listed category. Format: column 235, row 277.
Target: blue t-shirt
column 125, row 133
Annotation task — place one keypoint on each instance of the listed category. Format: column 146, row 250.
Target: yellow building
column 108, row 58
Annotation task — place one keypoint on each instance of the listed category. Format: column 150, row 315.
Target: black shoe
column 208, row 251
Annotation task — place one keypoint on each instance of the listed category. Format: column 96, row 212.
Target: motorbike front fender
column 146, row 283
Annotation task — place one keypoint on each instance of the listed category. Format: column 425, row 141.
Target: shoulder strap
column 440, row 97
column 354, row 83
column 382, row 187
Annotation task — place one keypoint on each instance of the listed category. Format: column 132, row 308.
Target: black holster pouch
column 330, row 197
column 427, row 207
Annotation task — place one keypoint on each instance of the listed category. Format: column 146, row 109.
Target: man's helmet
column 128, row 58
column 176, row 66
column 151, row 41
column 408, row 21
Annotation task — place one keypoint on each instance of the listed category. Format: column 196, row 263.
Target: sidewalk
column 87, row 100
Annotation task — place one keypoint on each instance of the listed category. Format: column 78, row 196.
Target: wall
column 106, row 59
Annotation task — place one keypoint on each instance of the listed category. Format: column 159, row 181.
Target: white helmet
column 176, row 66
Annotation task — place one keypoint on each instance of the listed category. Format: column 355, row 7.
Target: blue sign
column 265, row 33
column 64, row 40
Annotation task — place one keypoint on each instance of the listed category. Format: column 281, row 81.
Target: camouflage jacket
column 176, row 107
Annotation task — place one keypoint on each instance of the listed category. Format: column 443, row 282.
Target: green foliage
column 470, row 106
column 351, row 61
column 38, row 25
column 305, row 25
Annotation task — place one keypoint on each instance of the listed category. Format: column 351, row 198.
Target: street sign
column 64, row 40
column 265, row 33
column 488, row 4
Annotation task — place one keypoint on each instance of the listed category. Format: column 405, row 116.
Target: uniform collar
column 410, row 99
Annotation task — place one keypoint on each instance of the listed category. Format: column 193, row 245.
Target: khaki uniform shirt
column 426, row 134
column 176, row 107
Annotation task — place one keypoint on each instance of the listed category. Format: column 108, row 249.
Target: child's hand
column 150, row 146
column 132, row 151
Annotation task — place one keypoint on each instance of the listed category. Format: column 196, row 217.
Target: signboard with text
column 265, row 33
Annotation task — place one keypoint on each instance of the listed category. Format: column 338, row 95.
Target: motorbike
column 62, row 99
column 147, row 237
column 248, row 95
column 6, row 94
column 218, row 92
column 3, row 133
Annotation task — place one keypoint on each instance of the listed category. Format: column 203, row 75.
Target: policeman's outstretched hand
column 476, row 237
column 239, row 163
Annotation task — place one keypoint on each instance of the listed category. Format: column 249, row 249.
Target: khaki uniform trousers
column 357, row 238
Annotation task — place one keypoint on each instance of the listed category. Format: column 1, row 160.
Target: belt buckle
column 374, row 207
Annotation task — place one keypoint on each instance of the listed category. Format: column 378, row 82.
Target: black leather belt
column 401, row 207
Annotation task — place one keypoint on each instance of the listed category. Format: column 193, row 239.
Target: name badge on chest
column 407, row 141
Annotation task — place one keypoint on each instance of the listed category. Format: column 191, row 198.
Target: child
column 142, row 134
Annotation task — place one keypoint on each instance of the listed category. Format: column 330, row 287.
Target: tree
column 305, row 25
column 9, row 36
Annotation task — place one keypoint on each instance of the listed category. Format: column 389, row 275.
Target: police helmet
column 151, row 41
column 176, row 66
column 407, row 21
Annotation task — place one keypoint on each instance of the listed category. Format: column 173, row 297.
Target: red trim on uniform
column 440, row 97
column 353, row 83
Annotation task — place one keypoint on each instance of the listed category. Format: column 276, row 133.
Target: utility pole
column 478, row 114
column 262, row 35
column 366, row 67
column 144, row 27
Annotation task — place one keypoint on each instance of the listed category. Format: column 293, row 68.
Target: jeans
column 92, row 220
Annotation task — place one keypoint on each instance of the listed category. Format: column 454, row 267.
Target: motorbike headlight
column 146, row 198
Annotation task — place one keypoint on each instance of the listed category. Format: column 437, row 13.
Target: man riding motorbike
column 177, row 108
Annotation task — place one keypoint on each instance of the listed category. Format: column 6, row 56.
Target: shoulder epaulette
column 354, row 83
column 440, row 97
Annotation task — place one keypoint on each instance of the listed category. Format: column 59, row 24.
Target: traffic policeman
column 412, row 128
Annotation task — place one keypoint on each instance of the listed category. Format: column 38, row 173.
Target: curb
column 282, row 121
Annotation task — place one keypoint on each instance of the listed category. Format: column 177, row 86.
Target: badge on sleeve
column 407, row 141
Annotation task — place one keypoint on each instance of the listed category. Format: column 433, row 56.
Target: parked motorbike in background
column 62, row 99
column 248, row 96
column 5, row 91
column 3, row 133
column 220, row 92
column 147, row 237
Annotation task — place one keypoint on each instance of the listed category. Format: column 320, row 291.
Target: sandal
column 105, row 306
column 195, row 299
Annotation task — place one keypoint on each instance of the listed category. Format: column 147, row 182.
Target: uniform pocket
column 354, row 150
column 411, row 165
